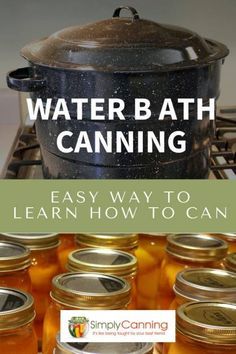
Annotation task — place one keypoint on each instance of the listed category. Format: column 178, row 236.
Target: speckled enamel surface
column 126, row 58
column 193, row 163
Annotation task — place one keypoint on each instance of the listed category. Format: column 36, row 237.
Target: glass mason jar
column 230, row 262
column 82, row 291
column 204, row 284
column 230, row 238
column 158, row 348
column 103, row 348
column 106, row 261
column 187, row 251
column 207, row 327
column 44, row 266
column 16, row 322
column 67, row 245
column 150, row 253
column 14, row 266
column 122, row 242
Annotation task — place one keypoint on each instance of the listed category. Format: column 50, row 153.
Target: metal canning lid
column 203, row 284
column 106, row 261
column 91, row 290
column 103, row 348
column 209, row 322
column 230, row 237
column 35, row 241
column 117, row 241
column 125, row 42
column 153, row 234
column 16, row 308
column 13, row 257
column 196, row 247
column 230, row 262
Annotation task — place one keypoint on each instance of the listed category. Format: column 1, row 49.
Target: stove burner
column 25, row 157
column 223, row 154
column 26, row 161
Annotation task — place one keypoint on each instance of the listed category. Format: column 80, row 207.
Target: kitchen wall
column 22, row 21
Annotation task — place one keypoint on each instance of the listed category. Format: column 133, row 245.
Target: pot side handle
column 22, row 80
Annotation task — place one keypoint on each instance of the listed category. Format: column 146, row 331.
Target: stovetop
column 223, row 154
column 26, row 160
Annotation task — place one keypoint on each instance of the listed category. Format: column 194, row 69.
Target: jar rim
column 205, row 284
column 154, row 234
column 112, row 240
column 208, row 322
column 17, row 309
column 196, row 247
column 230, row 262
column 102, row 260
column 230, row 236
column 13, row 257
column 83, row 290
column 69, row 348
column 35, row 241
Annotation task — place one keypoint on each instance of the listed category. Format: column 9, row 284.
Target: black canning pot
column 126, row 58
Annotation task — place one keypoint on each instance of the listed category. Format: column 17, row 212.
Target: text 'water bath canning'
column 124, row 58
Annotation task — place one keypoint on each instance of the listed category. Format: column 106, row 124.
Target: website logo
column 78, row 326
column 117, row 326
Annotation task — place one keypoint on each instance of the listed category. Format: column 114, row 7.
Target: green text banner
column 117, row 206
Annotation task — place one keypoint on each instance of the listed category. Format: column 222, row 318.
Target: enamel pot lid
column 124, row 43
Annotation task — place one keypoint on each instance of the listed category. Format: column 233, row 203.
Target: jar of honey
column 207, row 327
column 230, row 262
column 150, row 253
column 44, row 266
column 67, row 245
column 204, row 284
column 185, row 251
column 103, row 348
column 122, row 242
column 82, row 291
column 106, row 261
column 17, row 334
column 228, row 237
column 14, row 266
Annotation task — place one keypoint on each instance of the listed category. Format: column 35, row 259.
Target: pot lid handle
column 129, row 8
